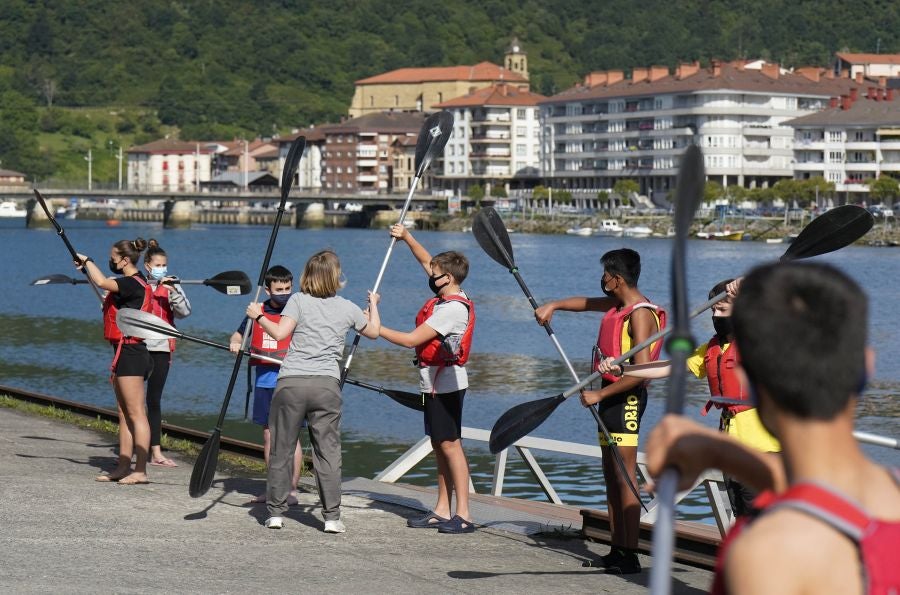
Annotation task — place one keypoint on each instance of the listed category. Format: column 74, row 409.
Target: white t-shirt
column 449, row 319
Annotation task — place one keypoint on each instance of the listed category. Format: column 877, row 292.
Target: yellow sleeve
column 695, row 361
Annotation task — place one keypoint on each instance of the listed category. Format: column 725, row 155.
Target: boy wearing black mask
column 278, row 286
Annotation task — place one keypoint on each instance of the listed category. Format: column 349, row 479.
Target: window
column 371, row 100
column 834, row 136
column 522, row 114
column 859, row 135
column 520, row 131
column 521, row 150
column 452, row 168
column 165, row 166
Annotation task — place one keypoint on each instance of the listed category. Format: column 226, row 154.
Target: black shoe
column 627, row 564
column 614, row 555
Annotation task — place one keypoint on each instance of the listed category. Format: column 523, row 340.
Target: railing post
column 499, row 472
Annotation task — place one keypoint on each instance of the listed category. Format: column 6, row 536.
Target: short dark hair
column 623, row 262
column 801, row 331
column 278, row 273
column 454, row 263
column 719, row 288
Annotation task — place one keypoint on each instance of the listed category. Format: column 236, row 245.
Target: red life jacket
column 877, row 541
column 161, row 307
column 721, row 373
column 609, row 338
column 111, row 331
column 263, row 343
column 438, row 351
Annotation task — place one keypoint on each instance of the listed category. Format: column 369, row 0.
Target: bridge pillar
column 243, row 216
column 177, row 213
column 384, row 218
column 313, row 215
column 35, row 217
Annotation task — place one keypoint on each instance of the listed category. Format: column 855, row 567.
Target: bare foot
column 114, row 475
column 134, row 479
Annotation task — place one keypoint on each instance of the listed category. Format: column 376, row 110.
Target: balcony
column 366, row 178
column 367, row 162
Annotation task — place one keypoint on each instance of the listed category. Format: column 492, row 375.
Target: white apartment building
column 169, row 165
column 855, row 140
column 309, row 172
column 495, row 138
column 611, row 127
column 873, row 66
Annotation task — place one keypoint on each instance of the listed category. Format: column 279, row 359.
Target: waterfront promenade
column 64, row 532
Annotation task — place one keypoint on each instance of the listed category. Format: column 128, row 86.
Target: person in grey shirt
column 317, row 320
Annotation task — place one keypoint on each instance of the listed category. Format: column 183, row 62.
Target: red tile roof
column 500, row 94
column 483, row 71
column 869, row 58
column 724, row 76
column 861, row 112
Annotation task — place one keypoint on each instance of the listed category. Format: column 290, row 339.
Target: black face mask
column 607, row 292
column 723, row 327
column 113, row 267
column 280, row 299
column 432, row 283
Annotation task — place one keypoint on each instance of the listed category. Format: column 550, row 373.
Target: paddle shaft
column 62, row 234
column 384, row 264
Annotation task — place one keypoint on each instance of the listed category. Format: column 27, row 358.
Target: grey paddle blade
column 830, row 231
column 490, row 233
column 136, row 323
column 433, row 137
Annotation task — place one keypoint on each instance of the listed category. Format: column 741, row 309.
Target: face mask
column 432, row 283
column 280, row 299
column 159, row 272
column 723, row 327
column 607, row 292
column 113, row 267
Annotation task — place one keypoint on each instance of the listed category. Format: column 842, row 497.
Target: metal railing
column 712, row 481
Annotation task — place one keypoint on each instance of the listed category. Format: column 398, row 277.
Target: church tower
column 516, row 59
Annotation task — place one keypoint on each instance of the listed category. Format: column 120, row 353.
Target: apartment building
column 357, row 154
column 872, row 66
column 610, row 127
column 495, row 138
column 309, row 172
column 420, row 89
column 169, row 165
column 856, row 139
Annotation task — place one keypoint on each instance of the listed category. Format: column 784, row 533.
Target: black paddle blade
column 520, row 420
column 689, row 193
column 55, row 279
column 205, row 466
column 490, row 233
column 830, row 231
column 290, row 165
column 407, row 399
column 433, row 137
column 230, row 283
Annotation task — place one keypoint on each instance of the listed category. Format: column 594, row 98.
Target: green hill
column 220, row 68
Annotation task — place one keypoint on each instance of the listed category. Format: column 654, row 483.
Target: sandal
column 456, row 525
column 164, row 463
column 425, row 521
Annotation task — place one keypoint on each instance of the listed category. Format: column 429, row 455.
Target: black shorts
column 622, row 415
column 443, row 415
column 134, row 360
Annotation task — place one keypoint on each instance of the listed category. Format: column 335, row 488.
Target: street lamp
column 119, row 159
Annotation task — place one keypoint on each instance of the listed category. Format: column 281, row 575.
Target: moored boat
column 10, row 208
column 610, row 228
column 580, row 231
column 637, row 231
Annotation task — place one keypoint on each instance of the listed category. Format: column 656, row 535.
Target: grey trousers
column 318, row 400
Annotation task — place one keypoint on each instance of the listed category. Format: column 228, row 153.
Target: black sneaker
column 614, row 555
column 628, row 563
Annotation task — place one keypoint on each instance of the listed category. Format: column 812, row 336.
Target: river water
column 53, row 337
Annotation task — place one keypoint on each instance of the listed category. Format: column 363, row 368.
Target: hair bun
column 139, row 244
column 152, row 243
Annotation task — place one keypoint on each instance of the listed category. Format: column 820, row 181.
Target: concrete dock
column 64, row 532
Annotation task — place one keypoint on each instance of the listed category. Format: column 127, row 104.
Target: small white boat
column 638, row 231
column 580, row 231
column 9, row 208
column 609, row 228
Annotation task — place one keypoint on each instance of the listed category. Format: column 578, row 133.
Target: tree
column 884, row 189
column 540, row 193
column 624, row 188
column 498, row 191
column 735, row 194
column 712, row 191
column 476, row 193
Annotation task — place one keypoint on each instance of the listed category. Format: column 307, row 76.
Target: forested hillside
column 217, row 68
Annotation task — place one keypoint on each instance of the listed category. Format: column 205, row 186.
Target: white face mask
column 158, row 272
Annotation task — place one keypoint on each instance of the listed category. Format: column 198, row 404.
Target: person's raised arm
column 277, row 330
column 96, row 275
column 543, row 314
column 419, row 252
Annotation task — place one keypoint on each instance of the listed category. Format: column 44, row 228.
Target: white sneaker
column 274, row 522
column 336, row 526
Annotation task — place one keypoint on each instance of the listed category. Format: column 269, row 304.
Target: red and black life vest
column 721, row 372
column 877, row 541
column 263, row 343
column 111, row 330
column 438, row 351
column 609, row 338
column 161, row 307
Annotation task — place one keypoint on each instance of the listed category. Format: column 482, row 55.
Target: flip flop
column 425, row 521
column 164, row 463
column 456, row 525
column 133, row 482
